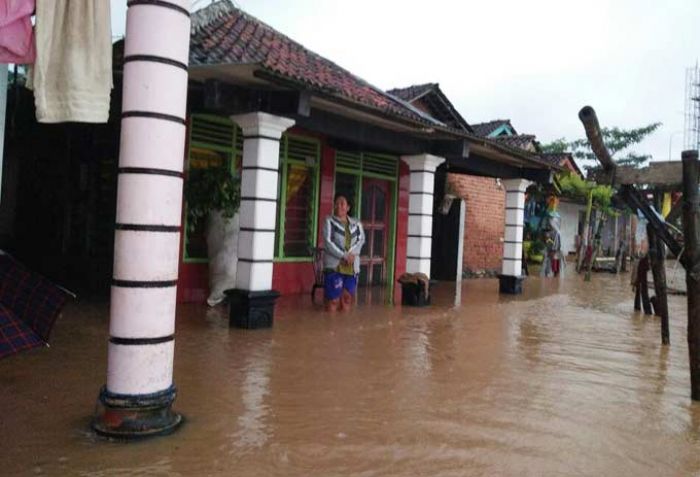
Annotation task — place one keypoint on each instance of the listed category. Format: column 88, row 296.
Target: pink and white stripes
column 149, row 202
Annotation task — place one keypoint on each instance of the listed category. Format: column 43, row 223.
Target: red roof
column 224, row 34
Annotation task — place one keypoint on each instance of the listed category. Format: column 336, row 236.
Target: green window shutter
column 348, row 160
column 214, row 132
column 298, row 197
column 380, row 164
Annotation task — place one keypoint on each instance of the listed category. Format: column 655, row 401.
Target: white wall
column 569, row 225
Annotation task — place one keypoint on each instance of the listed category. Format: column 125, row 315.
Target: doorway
column 374, row 214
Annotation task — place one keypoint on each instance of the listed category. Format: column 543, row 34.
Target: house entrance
column 374, row 214
column 369, row 181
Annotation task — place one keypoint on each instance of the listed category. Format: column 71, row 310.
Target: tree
column 618, row 141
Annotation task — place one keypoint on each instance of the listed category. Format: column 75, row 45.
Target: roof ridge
column 204, row 16
column 222, row 7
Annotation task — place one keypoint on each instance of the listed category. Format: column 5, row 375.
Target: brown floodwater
column 563, row 380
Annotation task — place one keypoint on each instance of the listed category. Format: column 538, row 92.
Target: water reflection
column 252, row 427
column 563, row 380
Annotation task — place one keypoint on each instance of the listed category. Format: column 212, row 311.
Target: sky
column 535, row 62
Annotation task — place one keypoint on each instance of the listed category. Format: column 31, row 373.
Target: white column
column 256, row 243
column 139, row 390
column 420, row 211
column 460, row 252
column 515, row 220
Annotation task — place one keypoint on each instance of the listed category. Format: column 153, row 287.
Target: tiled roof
column 520, row 141
column 223, row 34
column 412, row 93
column 555, row 158
column 484, row 129
column 429, row 97
column 558, row 159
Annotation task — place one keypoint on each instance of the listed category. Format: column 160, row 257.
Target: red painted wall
column 298, row 277
column 484, row 225
column 327, row 185
column 401, row 227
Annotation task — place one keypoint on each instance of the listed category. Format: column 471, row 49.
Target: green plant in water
column 208, row 189
column 574, row 187
column 537, row 247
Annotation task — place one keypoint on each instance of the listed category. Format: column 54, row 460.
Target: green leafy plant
column 212, row 188
column 537, row 247
column 574, row 187
column 617, row 140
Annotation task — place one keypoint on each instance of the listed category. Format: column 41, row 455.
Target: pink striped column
column 252, row 301
column 137, row 398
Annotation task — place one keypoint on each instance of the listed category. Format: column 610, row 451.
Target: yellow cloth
column 345, row 268
column 666, row 205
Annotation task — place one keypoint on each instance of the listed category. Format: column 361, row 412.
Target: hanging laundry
column 72, row 75
column 16, row 35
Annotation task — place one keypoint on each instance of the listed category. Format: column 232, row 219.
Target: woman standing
column 343, row 238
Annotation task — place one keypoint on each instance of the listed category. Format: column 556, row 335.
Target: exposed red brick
column 485, row 220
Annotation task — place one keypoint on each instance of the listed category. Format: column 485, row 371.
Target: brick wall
column 485, row 220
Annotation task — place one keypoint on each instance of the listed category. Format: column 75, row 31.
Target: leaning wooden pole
column 657, row 252
column 691, row 232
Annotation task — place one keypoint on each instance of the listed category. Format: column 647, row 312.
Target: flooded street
column 563, row 380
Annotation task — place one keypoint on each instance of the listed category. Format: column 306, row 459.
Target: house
column 378, row 147
column 336, row 132
column 483, row 191
column 298, row 128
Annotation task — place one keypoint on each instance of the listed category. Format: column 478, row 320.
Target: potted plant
column 214, row 194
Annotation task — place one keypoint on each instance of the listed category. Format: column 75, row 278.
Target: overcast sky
column 535, row 62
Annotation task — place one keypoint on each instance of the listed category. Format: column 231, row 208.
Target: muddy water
column 564, row 380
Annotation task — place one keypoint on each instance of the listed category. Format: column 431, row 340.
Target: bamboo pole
column 691, row 232
column 657, row 251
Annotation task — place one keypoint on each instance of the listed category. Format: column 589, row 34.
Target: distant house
column 484, row 229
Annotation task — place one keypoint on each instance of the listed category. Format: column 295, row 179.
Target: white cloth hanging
column 72, row 74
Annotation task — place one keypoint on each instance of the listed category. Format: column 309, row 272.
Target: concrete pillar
column 420, row 211
column 460, row 252
column 253, row 300
column 137, row 399
column 510, row 279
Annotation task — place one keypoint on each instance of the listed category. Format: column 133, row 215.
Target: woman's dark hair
column 338, row 195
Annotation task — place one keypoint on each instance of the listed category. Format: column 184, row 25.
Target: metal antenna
column 691, row 134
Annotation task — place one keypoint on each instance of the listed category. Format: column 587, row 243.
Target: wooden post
column 657, row 250
column 583, row 248
column 596, row 245
column 691, row 232
column 642, row 286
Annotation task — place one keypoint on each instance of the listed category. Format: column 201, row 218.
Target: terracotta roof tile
column 484, row 129
column 223, row 34
column 521, row 141
column 411, row 93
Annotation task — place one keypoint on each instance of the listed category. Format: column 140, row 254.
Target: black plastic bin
column 413, row 294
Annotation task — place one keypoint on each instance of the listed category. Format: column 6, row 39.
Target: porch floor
column 563, row 380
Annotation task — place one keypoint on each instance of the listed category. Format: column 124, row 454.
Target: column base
column 131, row 417
column 510, row 284
column 251, row 309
